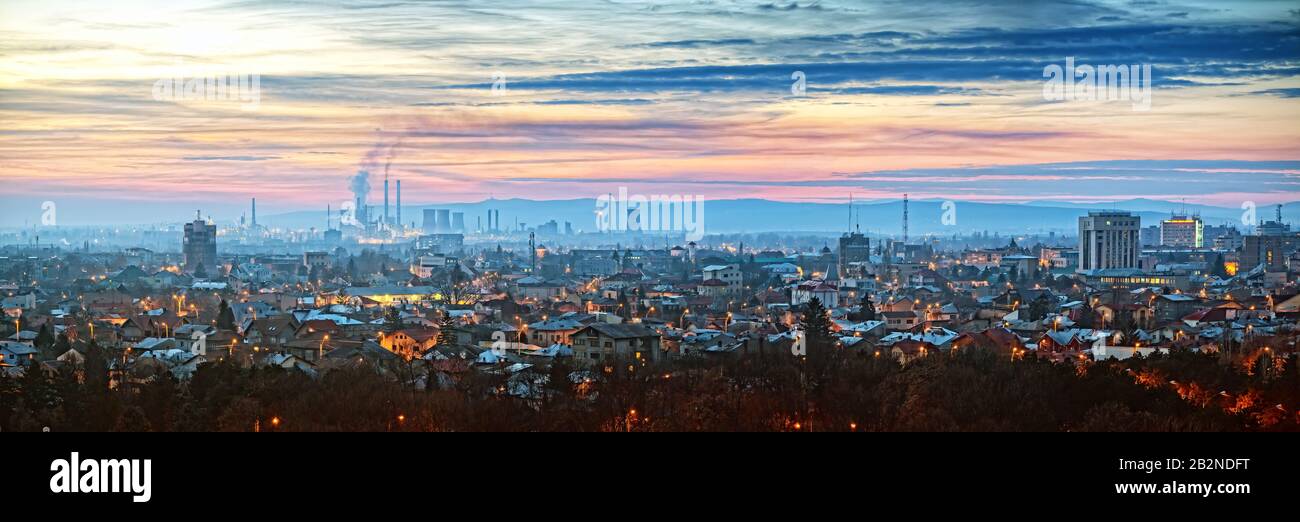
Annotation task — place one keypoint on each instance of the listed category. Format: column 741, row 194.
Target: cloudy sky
column 936, row 98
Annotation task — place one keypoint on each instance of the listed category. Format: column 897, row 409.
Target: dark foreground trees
column 969, row 391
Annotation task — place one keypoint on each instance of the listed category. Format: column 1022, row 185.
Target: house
column 1172, row 307
column 1126, row 313
column 1001, row 340
column 533, row 287
column 388, row 295
column 910, row 350
column 270, row 331
column 194, row 337
column 603, row 341
column 900, row 320
column 288, row 361
column 935, row 338
column 150, row 344
column 1209, row 316
column 827, row 293
column 713, row 288
column 24, row 336
column 1056, row 344
column 868, row 329
column 410, row 341
column 368, row 352
column 945, row 313
column 17, row 354
column 25, row 302
column 71, row 357
column 728, row 274
column 158, row 323
column 553, row 331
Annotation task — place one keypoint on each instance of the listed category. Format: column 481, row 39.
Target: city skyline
column 899, row 98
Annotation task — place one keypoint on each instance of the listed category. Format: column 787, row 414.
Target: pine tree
column 225, row 317
column 867, row 308
column 45, row 342
column 393, row 320
column 37, row 389
column 62, row 345
column 446, row 333
column 1087, row 316
column 96, row 368
column 1220, row 267
column 816, row 325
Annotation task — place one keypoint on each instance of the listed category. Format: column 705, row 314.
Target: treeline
column 975, row 390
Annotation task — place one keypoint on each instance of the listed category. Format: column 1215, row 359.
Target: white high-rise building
column 1108, row 239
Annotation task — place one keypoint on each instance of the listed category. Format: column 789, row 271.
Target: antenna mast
column 904, row 219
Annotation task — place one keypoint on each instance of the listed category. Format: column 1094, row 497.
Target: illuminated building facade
column 1183, row 231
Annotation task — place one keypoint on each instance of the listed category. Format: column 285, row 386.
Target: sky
column 549, row 99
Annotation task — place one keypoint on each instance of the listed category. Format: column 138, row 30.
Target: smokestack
column 254, row 212
column 329, row 224
column 399, row 203
column 385, row 198
column 360, row 185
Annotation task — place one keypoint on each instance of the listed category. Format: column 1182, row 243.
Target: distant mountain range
column 878, row 217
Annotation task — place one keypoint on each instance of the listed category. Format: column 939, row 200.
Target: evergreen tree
column 1087, row 316
column 393, row 319
column 225, row 317
column 1039, row 308
column 866, row 308
column 818, row 337
column 96, row 369
column 624, row 306
column 446, row 331
column 200, row 271
column 62, row 345
column 45, row 342
column 37, row 389
column 1220, row 267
